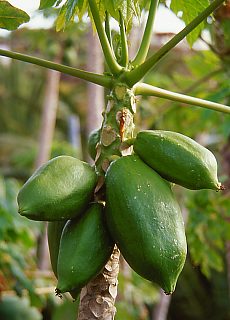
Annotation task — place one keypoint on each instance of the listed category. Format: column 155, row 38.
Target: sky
column 26, row 5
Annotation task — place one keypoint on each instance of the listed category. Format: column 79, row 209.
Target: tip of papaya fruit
column 169, row 289
column 169, row 292
column 221, row 187
column 58, row 293
column 21, row 212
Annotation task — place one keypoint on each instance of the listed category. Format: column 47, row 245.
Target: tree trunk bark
column 98, row 297
column 49, row 111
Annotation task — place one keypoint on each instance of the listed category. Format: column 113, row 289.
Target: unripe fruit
column 93, row 140
column 54, row 231
column 59, row 190
column 178, row 159
column 85, row 247
column 145, row 221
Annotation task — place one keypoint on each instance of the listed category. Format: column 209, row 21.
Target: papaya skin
column 178, row 159
column 58, row 190
column 93, row 140
column 145, row 221
column 54, row 231
column 85, row 247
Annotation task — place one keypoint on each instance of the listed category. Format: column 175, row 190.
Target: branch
column 148, row 90
column 146, row 40
column 108, row 53
column 137, row 74
column 124, row 44
column 99, row 79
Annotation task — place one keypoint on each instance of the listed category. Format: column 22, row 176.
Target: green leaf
column 44, row 4
column 190, row 9
column 128, row 9
column 68, row 11
column 11, row 17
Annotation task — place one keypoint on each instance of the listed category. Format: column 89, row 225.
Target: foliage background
column 203, row 288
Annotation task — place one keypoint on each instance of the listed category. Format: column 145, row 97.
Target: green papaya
column 93, row 140
column 58, row 190
column 85, row 247
column 54, row 231
column 145, row 221
column 178, row 159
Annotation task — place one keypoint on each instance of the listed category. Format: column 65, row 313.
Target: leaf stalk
column 148, row 90
column 99, row 79
column 114, row 67
column 146, row 39
column 139, row 72
column 124, row 43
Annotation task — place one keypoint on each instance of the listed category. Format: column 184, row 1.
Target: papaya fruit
column 93, row 140
column 85, row 247
column 145, row 221
column 54, row 231
column 178, row 159
column 58, row 190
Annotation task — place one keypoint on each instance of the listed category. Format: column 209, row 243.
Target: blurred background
column 44, row 114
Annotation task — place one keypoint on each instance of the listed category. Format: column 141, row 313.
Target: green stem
column 137, row 74
column 124, row 44
column 99, row 79
column 146, row 40
column 107, row 28
column 148, row 90
column 114, row 67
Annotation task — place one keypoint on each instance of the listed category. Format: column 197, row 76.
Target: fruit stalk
column 98, row 297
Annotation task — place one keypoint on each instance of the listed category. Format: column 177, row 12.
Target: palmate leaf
column 128, row 9
column 44, row 4
column 11, row 17
column 68, row 12
column 190, row 9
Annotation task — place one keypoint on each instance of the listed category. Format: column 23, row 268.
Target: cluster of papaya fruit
column 140, row 213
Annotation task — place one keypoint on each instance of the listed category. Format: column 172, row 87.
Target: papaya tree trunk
column 98, row 297
column 48, row 120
